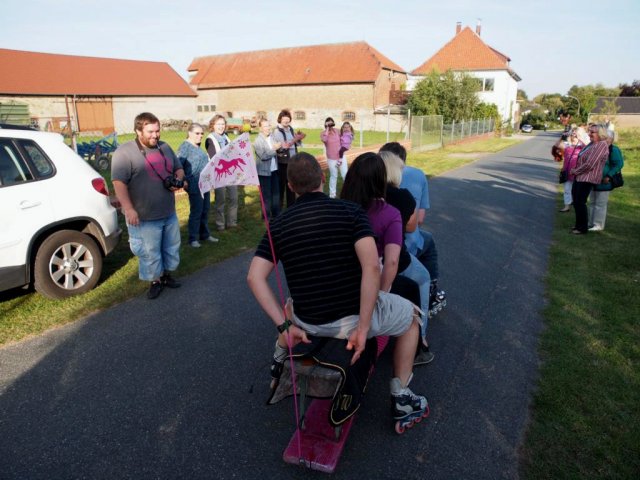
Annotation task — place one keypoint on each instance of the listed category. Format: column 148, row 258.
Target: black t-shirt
column 402, row 199
column 315, row 240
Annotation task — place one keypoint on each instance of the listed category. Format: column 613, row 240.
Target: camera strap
column 144, row 154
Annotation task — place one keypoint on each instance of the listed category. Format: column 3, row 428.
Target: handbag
column 563, row 176
column 282, row 154
column 616, row 180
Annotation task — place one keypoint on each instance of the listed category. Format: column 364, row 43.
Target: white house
column 467, row 52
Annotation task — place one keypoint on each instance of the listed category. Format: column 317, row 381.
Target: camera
column 330, row 125
column 172, row 182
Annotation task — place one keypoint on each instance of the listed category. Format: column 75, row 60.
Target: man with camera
column 145, row 174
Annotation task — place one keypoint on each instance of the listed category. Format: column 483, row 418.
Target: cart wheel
column 103, row 163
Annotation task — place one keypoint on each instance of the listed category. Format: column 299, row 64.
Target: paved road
column 175, row 388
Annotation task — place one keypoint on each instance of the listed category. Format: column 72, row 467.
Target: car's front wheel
column 67, row 263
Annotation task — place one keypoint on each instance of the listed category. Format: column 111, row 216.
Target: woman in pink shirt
column 331, row 139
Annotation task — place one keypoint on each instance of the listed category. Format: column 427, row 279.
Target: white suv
column 56, row 219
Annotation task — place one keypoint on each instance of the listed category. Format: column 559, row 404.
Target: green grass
column 24, row 313
column 175, row 138
column 586, row 412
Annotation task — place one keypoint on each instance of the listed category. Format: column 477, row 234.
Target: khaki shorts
column 392, row 316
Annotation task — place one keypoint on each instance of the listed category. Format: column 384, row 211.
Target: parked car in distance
column 57, row 220
column 526, row 128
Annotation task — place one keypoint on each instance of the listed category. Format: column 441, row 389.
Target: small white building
column 467, row 52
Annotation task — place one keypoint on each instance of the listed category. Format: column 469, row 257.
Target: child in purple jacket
column 346, row 137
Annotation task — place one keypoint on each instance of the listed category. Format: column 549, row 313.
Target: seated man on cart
column 330, row 260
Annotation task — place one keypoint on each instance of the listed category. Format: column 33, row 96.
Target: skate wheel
column 399, row 428
column 410, row 424
column 418, row 419
column 426, row 412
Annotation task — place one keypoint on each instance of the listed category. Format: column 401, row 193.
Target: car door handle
column 25, row 204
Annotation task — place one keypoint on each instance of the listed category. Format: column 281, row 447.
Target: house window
column 488, row 84
column 213, row 108
column 199, row 108
column 348, row 116
column 206, row 108
column 299, row 115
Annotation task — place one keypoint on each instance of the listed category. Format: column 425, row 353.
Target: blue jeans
column 199, row 216
column 156, row 243
column 428, row 254
column 419, row 274
column 270, row 186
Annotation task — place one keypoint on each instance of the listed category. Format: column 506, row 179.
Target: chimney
column 458, row 27
column 478, row 28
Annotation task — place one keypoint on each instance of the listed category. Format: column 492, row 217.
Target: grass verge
column 24, row 313
column 586, row 412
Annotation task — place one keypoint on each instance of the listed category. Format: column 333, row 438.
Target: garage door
column 95, row 116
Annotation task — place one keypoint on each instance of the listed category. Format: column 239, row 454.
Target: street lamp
column 571, row 96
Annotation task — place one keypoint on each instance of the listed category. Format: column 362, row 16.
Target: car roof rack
column 6, row 126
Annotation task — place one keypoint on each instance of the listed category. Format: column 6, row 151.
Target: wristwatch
column 284, row 326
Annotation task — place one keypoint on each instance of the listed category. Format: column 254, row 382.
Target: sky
column 552, row 44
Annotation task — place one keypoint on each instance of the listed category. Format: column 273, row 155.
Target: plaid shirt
column 591, row 162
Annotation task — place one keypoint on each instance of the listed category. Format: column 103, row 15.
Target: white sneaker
column 195, row 244
column 212, row 239
column 596, row 228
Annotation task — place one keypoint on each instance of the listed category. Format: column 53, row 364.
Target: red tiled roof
column 32, row 73
column 355, row 62
column 465, row 51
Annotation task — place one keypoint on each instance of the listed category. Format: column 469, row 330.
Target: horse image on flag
column 226, row 168
column 233, row 165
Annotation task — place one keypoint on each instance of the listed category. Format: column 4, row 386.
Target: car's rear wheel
column 67, row 263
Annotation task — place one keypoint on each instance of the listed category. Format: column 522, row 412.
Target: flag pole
column 222, row 168
column 284, row 311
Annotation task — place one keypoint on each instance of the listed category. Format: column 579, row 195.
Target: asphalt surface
column 176, row 388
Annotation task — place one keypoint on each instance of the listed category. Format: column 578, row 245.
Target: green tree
column 452, row 95
column 522, row 95
column 536, row 118
column 588, row 95
column 632, row 90
column 486, row 110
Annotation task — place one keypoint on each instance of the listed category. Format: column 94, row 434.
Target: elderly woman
column 267, row 167
column 194, row 160
column 588, row 174
column 215, row 142
column 600, row 195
